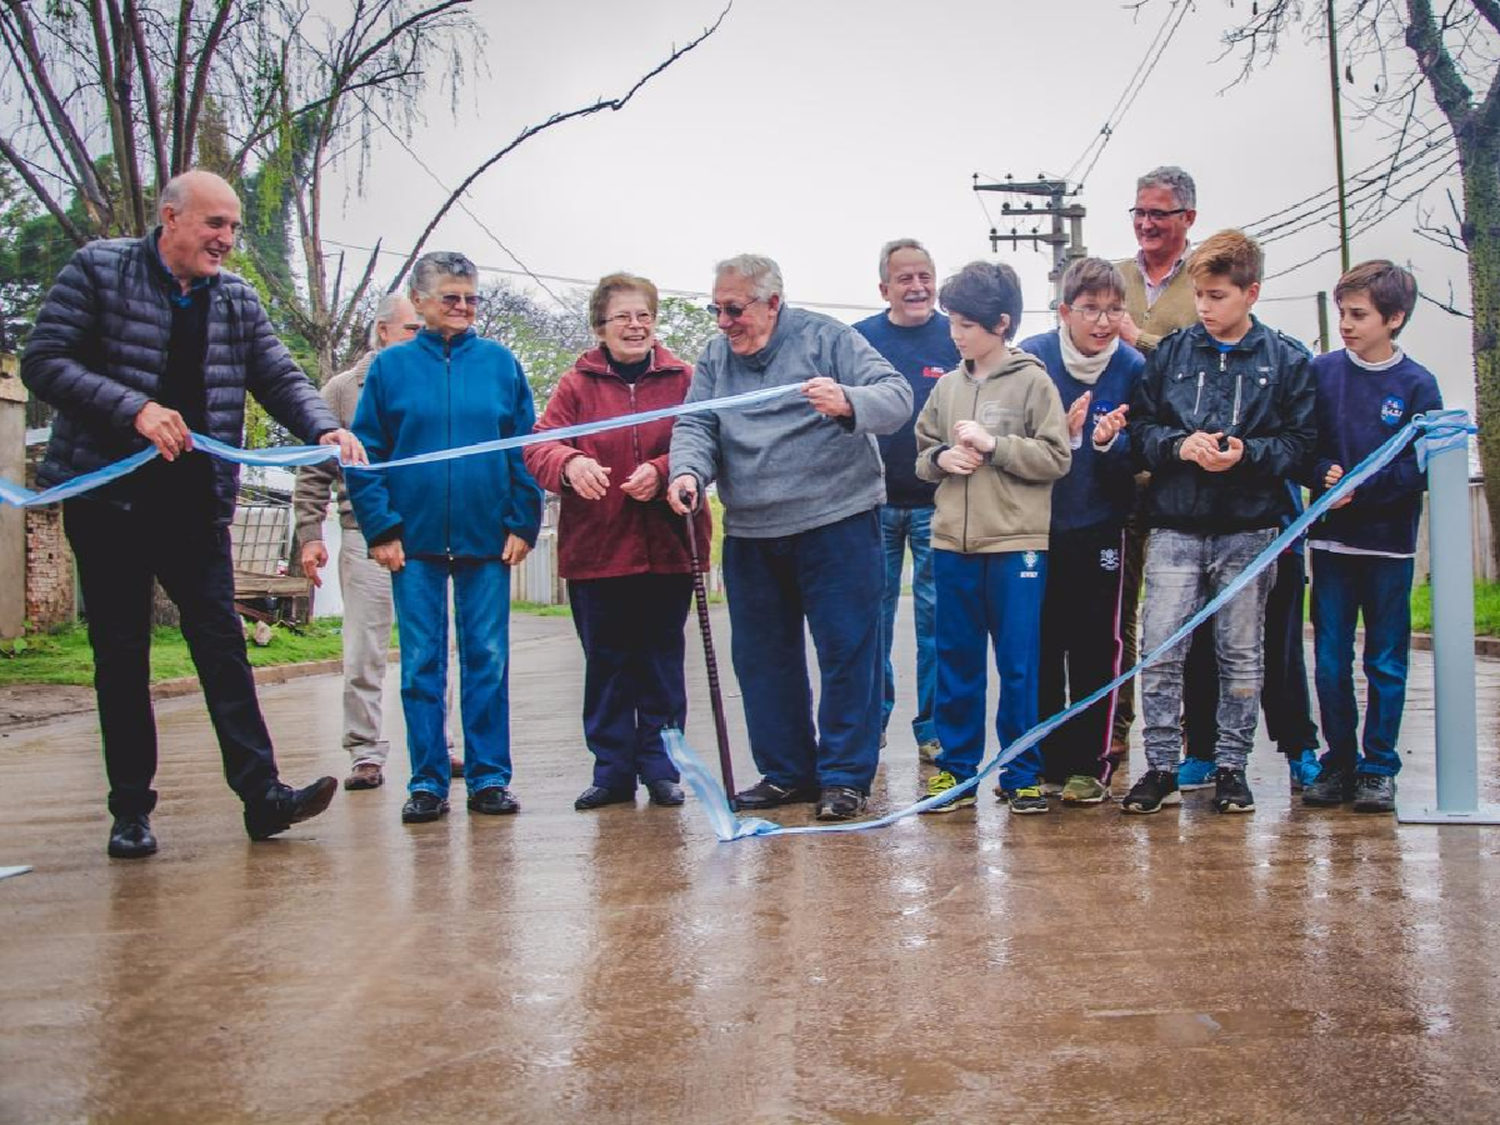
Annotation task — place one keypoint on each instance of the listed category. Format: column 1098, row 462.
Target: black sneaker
column 283, row 806
column 1155, row 789
column 1333, row 787
column 422, row 807
column 1374, row 792
column 1232, row 791
column 840, row 802
column 494, row 800
column 766, row 794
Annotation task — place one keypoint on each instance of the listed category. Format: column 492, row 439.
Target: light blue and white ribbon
column 1435, row 432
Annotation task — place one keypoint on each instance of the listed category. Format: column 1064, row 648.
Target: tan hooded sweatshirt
column 1005, row 505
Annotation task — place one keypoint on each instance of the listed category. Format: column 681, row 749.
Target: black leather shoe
column 284, row 806
column 664, row 792
column 131, row 838
column 422, row 807
column 494, row 800
column 766, row 794
column 596, row 797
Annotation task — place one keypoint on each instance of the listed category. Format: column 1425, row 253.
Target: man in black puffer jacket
column 141, row 342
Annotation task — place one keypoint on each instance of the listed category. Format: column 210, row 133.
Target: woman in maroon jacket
column 621, row 549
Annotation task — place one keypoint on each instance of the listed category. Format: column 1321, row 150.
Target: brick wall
column 49, row 561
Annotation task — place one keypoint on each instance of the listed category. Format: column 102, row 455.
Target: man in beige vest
column 1158, row 301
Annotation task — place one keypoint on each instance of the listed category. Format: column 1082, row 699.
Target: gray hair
column 1175, row 180
column 763, row 274
column 900, row 244
column 431, row 269
column 385, row 313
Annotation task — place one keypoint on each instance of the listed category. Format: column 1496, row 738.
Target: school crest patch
column 1392, row 409
column 1109, row 559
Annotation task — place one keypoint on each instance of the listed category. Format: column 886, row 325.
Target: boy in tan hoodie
column 993, row 437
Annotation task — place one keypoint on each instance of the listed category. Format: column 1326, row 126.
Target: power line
column 1143, row 71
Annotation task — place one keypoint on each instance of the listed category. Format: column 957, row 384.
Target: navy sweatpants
column 984, row 600
column 831, row 578
column 631, row 630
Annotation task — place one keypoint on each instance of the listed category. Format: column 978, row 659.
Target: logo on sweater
column 1109, row 559
column 1029, row 559
column 1392, row 409
column 933, row 373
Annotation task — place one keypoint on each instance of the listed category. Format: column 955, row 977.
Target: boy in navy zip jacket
column 1362, row 551
column 1096, row 375
column 1223, row 418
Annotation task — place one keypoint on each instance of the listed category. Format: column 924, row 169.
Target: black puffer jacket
column 1260, row 391
column 99, row 351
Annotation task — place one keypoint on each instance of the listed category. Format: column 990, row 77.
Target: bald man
column 140, row 343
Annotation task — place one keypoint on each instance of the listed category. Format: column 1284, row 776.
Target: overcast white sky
column 813, row 131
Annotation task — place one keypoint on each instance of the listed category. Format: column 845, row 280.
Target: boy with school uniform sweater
column 1096, row 375
column 1363, row 550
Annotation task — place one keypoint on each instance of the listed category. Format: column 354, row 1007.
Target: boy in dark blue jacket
column 1096, row 375
column 1363, row 550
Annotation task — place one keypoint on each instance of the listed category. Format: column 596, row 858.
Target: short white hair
column 1175, row 180
column 385, row 313
column 900, row 244
column 763, row 274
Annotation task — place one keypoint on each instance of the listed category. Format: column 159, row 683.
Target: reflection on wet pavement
column 1291, row 965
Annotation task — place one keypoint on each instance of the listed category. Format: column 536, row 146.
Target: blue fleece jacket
column 431, row 394
column 1100, row 487
column 1358, row 411
column 923, row 355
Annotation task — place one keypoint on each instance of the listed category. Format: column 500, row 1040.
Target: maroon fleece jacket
column 616, row 536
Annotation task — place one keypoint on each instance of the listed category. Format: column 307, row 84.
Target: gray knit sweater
column 781, row 467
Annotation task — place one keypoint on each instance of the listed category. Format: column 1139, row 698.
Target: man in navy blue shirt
column 913, row 336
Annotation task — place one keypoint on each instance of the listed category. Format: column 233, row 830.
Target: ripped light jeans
column 1183, row 572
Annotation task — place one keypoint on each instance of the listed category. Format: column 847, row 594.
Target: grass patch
column 1486, row 609
column 64, row 656
column 541, row 609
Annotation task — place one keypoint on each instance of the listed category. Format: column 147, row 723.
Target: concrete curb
column 1422, row 642
column 274, row 674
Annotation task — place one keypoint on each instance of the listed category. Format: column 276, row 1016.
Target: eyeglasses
column 451, row 301
column 626, row 319
column 414, row 328
column 733, row 312
column 1090, row 313
column 1139, row 213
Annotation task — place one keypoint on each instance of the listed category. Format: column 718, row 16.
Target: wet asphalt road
column 1290, row 965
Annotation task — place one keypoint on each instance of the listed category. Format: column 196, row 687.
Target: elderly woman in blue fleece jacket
column 467, row 520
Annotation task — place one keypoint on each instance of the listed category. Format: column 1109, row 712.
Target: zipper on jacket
column 1198, row 398
column 448, row 464
column 1239, row 384
column 965, row 537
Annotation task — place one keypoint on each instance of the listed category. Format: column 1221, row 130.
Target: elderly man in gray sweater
column 801, row 480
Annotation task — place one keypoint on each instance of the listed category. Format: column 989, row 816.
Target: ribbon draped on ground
column 289, row 457
column 1434, row 432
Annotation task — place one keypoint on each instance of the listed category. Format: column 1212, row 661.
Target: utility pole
column 1338, row 133
column 1066, row 244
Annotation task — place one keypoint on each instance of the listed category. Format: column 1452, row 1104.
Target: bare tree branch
column 200, row 83
column 149, row 93
column 23, row 169
column 532, row 130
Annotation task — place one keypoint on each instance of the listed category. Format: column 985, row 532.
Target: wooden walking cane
column 721, row 728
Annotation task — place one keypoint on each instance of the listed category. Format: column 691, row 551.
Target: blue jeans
column 481, row 594
column 986, row 599
column 899, row 527
column 1184, row 571
column 1343, row 587
column 826, row 581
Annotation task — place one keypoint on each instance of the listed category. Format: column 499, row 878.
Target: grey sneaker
column 1332, row 788
column 1374, row 792
column 1081, row 789
column 840, row 802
